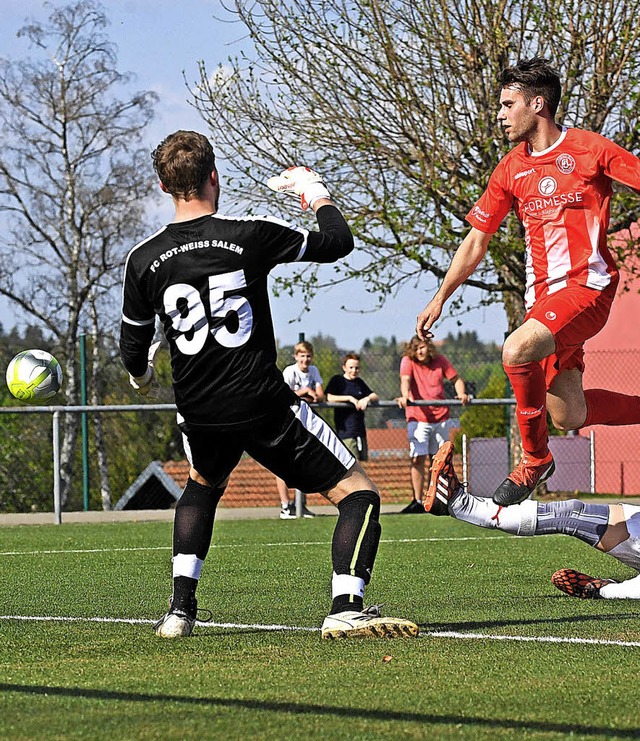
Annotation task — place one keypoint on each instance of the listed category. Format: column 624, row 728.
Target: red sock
column 611, row 408
column 530, row 390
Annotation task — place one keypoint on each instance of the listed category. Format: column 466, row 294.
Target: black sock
column 355, row 543
column 193, row 522
column 344, row 602
column 184, row 593
column 192, row 532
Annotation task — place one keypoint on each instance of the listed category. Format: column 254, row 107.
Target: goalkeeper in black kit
column 205, row 276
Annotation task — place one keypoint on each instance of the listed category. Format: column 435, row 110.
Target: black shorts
column 292, row 442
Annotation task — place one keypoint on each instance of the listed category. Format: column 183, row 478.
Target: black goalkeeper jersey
column 207, row 281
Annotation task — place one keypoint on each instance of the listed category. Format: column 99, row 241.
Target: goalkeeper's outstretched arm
column 334, row 239
column 135, row 341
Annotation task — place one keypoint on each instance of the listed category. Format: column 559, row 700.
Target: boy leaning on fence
column 349, row 419
column 305, row 381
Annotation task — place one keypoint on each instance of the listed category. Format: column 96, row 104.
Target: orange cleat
column 443, row 482
column 580, row 585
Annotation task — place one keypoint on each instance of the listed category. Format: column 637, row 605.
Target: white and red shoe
column 443, row 482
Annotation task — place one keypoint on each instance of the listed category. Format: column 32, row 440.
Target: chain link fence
column 616, row 448
column 147, row 469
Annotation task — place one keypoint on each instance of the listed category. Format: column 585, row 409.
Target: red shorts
column 572, row 315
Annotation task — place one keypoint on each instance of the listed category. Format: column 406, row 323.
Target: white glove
column 147, row 384
column 300, row 181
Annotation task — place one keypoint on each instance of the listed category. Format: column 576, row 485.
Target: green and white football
column 34, row 375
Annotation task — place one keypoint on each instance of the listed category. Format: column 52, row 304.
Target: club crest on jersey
column 565, row 163
column 547, row 186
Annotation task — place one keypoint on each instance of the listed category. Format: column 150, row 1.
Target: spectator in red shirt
column 422, row 374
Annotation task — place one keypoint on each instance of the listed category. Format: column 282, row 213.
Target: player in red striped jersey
column 558, row 180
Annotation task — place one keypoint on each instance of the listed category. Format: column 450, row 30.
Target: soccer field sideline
column 223, row 513
column 306, row 629
column 164, row 515
column 280, row 544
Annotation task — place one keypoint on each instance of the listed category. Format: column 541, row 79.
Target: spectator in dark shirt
column 349, row 421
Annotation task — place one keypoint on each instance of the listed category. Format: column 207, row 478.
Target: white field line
column 145, row 621
column 531, row 639
column 85, row 550
column 240, row 545
column 301, row 629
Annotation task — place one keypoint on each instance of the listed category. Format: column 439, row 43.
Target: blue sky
column 158, row 40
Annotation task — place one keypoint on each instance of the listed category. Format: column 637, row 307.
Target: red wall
column 612, row 361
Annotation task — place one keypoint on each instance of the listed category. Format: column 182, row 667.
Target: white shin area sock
column 518, row 519
column 346, row 584
column 187, row 564
column 629, row 589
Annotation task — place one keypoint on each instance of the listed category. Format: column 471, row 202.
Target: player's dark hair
column 534, row 77
column 184, row 161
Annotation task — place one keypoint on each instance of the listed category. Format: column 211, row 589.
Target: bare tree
column 72, row 182
column 97, row 397
column 395, row 101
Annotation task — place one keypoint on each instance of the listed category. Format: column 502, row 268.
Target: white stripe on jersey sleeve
column 134, row 323
column 126, row 265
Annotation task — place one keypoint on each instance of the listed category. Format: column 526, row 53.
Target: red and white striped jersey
column 562, row 197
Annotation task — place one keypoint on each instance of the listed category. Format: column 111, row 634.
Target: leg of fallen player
column 613, row 529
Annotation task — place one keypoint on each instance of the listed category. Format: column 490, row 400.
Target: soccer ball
column 34, row 374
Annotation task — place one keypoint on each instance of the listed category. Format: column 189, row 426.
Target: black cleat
column 522, row 481
column 413, row 508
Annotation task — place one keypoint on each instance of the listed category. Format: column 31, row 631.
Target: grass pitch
column 502, row 654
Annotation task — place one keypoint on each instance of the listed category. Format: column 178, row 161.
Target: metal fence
column 143, row 435
column 250, row 484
